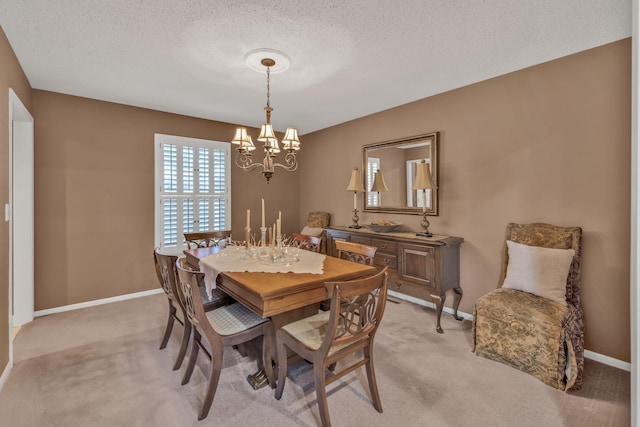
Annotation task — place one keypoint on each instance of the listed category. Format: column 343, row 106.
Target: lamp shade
column 378, row 182
column 268, row 138
column 243, row 139
column 355, row 184
column 423, row 177
column 291, row 140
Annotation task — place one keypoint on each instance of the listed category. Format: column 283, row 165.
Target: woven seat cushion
column 234, row 318
column 311, row 331
column 526, row 332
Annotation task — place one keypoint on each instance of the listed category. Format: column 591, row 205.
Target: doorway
column 19, row 213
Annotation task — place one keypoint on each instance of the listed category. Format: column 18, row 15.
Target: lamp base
column 355, row 220
column 425, row 226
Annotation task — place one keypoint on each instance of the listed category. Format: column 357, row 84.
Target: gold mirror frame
column 396, row 160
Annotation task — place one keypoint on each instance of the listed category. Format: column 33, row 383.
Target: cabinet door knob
column 386, row 260
column 383, row 245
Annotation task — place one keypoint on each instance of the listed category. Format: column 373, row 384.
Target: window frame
column 159, row 195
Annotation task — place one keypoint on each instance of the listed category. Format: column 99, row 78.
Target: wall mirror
column 395, row 162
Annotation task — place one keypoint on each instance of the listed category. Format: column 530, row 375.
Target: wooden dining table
column 283, row 297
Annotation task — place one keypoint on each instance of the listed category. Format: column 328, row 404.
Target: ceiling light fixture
column 290, row 142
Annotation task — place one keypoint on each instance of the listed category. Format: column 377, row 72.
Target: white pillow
column 539, row 271
column 312, row 231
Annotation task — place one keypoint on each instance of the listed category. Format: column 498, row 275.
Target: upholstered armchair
column 316, row 224
column 533, row 322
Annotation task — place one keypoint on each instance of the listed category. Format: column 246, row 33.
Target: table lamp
column 355, row 185
column 423, row 182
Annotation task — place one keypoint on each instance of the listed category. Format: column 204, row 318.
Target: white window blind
column 373, row 165
column 192, row 188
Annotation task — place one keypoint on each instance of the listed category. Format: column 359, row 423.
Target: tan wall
column 550, row 143
column 94, row 196
column 11, row 76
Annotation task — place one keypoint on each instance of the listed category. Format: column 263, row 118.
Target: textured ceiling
column 349, row 58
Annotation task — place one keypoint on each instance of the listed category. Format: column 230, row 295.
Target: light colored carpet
column 101, row 366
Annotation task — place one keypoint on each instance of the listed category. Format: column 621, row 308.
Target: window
column 192, row 181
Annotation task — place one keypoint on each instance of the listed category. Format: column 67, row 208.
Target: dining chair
column 206, row 239
column 356, row 252
column 306, row 242
column 166, row 271
column 324, row 339
column 227, row 325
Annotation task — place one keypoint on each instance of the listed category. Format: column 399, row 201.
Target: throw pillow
column 539, row 271
column 312, row 231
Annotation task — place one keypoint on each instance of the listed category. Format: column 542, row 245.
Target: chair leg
column 192, row 358
column 214, row 378
column 321, row 393
column 282, row 368
column 169, row 328
column 371, row 376
column 186, row 334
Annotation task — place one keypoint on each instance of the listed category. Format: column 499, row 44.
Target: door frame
column 21, row 256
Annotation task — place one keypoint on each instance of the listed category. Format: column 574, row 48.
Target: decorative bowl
column 383, row 228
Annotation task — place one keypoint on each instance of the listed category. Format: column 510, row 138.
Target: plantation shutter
column 194, row 188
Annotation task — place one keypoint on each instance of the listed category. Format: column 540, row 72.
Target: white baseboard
column 5, row 374
column 96, row 302
column 429, row 304
column 625, row 366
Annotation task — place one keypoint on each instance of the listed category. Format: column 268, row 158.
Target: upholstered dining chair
column 326, row 338
column 533, row 322
column 309, row 243
column 316, row 223
column 166, row 272
column 206, row 239
column 225, row 326
column 356, row 252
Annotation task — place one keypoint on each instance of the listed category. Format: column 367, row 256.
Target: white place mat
column 231, row 259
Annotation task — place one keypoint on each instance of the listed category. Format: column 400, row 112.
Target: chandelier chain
column 268, row 86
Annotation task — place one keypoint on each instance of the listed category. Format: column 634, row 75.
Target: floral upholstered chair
column 316, row 224
column 534, row 321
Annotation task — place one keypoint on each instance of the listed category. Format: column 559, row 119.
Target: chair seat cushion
column 234, row 318
column 310, row 331
column 526, row 332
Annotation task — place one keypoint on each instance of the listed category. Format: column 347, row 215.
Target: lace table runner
column 231, row 259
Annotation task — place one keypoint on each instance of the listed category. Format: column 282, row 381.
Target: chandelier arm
column 245, row 162
column 291, row 162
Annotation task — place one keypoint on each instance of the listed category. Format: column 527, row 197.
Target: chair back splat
column 328, row 337
column 206, row 239
column 356, row 252
column 306, row 242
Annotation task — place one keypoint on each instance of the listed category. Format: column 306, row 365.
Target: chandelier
column 290, row 142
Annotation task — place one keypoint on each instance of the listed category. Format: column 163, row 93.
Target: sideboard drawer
column 385, row 246
column 360, row 239
column 386, row 260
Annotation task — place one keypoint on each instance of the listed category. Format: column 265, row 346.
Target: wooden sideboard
column 421, row 267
